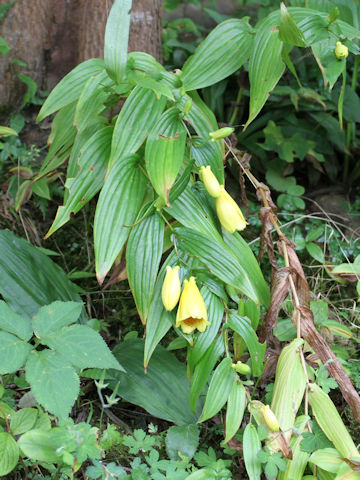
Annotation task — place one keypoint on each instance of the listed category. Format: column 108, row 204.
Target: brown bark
column 53, row 36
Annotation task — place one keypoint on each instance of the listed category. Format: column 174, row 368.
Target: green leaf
column 13, row 353
column 213, row 59
column 146, row 81
column 136, row 118
column 235, row 409
column 315, row 440
column 163, row 390
column 219, row 389
column 9, row 453
column 331, row 68
column 7, row 131
column 164, row 152
column 328, row 459
column 183, row 439
column 93, row 162
column 315, row 251
column 70, row 87
column 251, row 447
column 41, row 188
column 118, row 206
column 242, row 326
column 41, row 446
column 116, row 39
column 265, row 66
column 23, row 420
column 81, row 346
column 144, row 62
column 289, row 32
column 217, row 257
column 53, row 381
column 55, row 316
column 31, row 88
column 13, row 323
column 143, row 255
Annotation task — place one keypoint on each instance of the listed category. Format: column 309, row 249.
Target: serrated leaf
column 213, row 60
column 11, row 322
column 219, row 389
column 81, row 346
column 55, row 316
column 251, row 447
column 9, row 453
column 41, row 446
column 235, row 409
column 53, row 381
column 116, row 39
column 143, row 255
column 183, row 439
column 69, row 88
column 136, row 118
column 13, row 353
column 23, row 420
column 118, row 206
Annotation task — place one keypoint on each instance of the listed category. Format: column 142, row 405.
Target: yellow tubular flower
column 341, row 51
column 270, row 419
column 170, row 292
column 210, row 181
column 191, row 313
column 230, row 215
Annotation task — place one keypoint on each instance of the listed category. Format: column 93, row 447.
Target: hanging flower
column 210, row 181
column 171, row 288
column 191, row 313
column 341, row 51
column 229, row 213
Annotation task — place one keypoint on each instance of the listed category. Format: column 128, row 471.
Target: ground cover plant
column 145, row 151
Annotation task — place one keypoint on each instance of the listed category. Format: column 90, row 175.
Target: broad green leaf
column 352, row 268
column 183, row 439
column 219, row 389
column 224, row 50
column 328, row 459
column 41, row 446
column 118, row 206
column 13, row 353
column 9, row 453
column 93, row 162
column 23, row 420
column 164, row 152
column 55, row 316
column 242, row 326
column 143, row 255
column 163, row 390
column 265, row 66
column 11, row 322
column 144, row 62
column 147, row 81
column 70, row 87
column 41, row 188
column 7, row 131
column 235, row 409
column 203, row 370
column 53, row 381
column 289, row 32
column 217, row 257
column 331, row 68
column 116, row 39
column 136, row 118
column 251, row 447
column 81, row 346
column 315, row 251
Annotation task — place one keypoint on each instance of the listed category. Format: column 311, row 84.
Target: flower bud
column 210, row 181
column 228, row 212
column 192, row 312
column 240, row 367
column 341, row 51
column 187, row 106
column 270, row 419
column 170, row 292
column 221, row 133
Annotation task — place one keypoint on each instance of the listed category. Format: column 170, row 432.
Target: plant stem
column 237, row 105
column 349, row 127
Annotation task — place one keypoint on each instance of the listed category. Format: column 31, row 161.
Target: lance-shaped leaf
column 164, row 152
column 242, row 326
column 251, row 447
column 93, row 162
column 9, row 453
column 118, row 206
column 138, row 115
column 224, row 50
column 116, row 39
column 289, row 31
column 69, row 88
column 143, row 255
column 235, row 409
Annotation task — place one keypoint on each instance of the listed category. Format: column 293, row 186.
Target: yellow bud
column 221, row 133
column 341, row 51
column 210, row 181
column 171, row 288
column 191, row 313
column 270, row 419
column 230, row 215
column 240, row 367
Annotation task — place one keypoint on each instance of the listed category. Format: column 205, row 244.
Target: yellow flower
column 230, row 215
column 270, row 420
column 210, row 181
column 171, row 288
column 341, row 51
column 191, row 313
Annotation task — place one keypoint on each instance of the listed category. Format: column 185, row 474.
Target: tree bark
column 53, row 36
